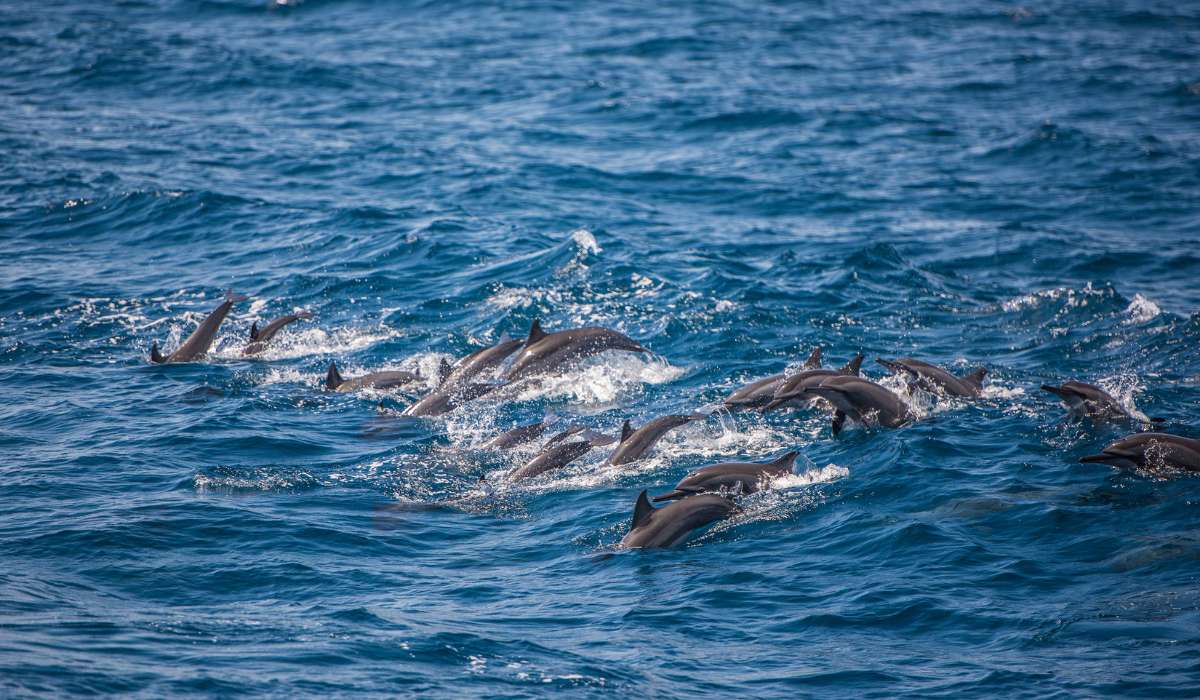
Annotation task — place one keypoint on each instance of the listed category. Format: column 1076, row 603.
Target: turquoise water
column 730, row 184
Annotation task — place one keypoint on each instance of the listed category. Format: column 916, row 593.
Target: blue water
column 730, row 183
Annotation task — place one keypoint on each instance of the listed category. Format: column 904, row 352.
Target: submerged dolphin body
column 760, row 392
column 635, row 443
column 792, row 391
column 260, row 338
column 198, row 343
column 672, row 524
column 933, row 378
column 545, row 352
column 519, row 435
column 444, row 400
column 374, row 380
column 736, row 477
column 479, row 362
column 1152, row 451
column 862, row 400
column 1085, row 400
column 559, row 451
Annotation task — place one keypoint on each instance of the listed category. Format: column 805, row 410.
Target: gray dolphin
column 546, row 352
column 560, row 451
column 443, row 400
column 733, row 477
column 934, row 378
column 260, row 338
column 760, row 392
column 863, row 400
column 792, row 391
column 480, row 361
column 519, row 435
column 1085, row 400
column 672, row 524
column 635, row 443
column 374, row 380
column 1154, row 451
column 198, row 343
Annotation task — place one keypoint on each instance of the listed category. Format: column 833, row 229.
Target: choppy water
column 729, row 183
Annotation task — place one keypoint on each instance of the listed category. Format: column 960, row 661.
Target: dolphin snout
column 894, row 367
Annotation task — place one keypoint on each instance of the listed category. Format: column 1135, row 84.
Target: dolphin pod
column 704, row 495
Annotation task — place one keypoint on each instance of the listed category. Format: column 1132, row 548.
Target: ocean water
column 730, row 183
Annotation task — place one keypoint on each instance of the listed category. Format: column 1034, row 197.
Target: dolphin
column 732, row 477
column 559, row 452
column 479, row 362
column 1085, row 400
column 374, row 380
column 1153, row 451
column 259, row 338
column 863, row 400
column 934, row 378
column 792, row 391
column 672, row 524
column 444, row 400
column 759, row 393
column 635, row 443
column 198, row 343
column 518, row 436
column 545, row 352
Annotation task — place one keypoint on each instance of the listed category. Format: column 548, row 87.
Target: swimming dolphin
column 259, row 338
column 792, row 391
column 934, row 378
column 1154, row 451
column 443, row 400
column 1085, row 400
column 374, row 380
column 480, row 361
column 560, row 451
column 672, row 524
column 735, row 477
column 863, row 400
column 545, row 352
column 760, row 392
column 198, row 343
column 635, row 443
column 519, row 435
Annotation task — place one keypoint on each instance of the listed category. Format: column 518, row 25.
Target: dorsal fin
column 642, row 510
column 786, row 459
column 535, row 333
column 854, row 366
column 155, row 355
column 814, row 360
column 626, row 431
column 254, row 331
column 975, row 377
column 444, row 369
column 333, row 379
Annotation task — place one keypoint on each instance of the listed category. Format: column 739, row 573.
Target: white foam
column 599, row 381
column 1141, row 309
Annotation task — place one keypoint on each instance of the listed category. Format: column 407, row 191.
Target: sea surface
column 731, row 183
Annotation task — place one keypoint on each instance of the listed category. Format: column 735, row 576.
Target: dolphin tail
column 642, row 510
column 156, row 356
column 814, row 360
column 839, row 420
column 254, row 331
column 234, row 298
column 333, row 378
column 975, row 377
column 854, row 366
